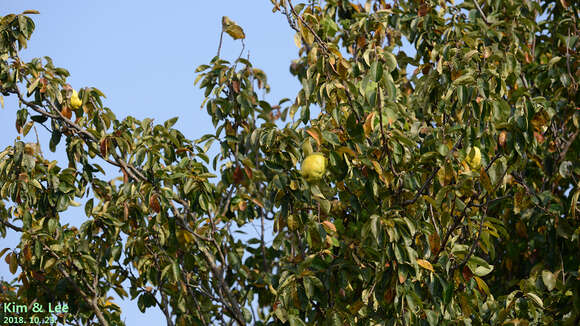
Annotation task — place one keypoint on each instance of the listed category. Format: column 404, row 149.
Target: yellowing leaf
column 328, row 226
column 297, row 40
column 481, row 285
column 233, row 30
column 346, row 150
column 485, row 180
column 377, row 167
column 306, row 35
column 236, row 32
column 368, row 125
column 314, row 134
column 13, row 265
column 425, row 264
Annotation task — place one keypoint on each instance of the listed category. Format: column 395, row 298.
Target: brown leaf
column 27, row 253
column 314, row 134
column 423, row 10
column 39, row 276
column 521, row 230
column 434, row 242
column 528, row 57
column 154, row 203
column 23, row 177
column 361, row 42
column 501, row 139
column 18, row 127
column 66, row 112
column 467, row 274
column 248, row 171
column 238, row 175
column 125, row 210
column 236, row 86
column 104, row 146
column 539, row 137
column 389, row 295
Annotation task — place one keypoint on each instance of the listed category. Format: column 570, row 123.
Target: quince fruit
column 314, row 167
column 75, row 101
column 474, row 157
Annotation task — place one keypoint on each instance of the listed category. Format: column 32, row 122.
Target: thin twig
column 435, row 170
column 92, row 302
column 220, row 44
column 473, row 245
column 567, row 146
column 316, row 37
column 480, row 11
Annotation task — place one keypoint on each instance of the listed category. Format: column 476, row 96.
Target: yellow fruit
column 314, row 167
column 474, row 157
column 75, row 101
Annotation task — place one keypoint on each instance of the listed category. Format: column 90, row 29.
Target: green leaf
column 391, row 61
column 479, row 266
column 549, row 279
column 536, row 299
column 565, row 169
column 376, row 71
column 464, row 80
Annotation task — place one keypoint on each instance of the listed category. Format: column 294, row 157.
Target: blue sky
column 142, row 55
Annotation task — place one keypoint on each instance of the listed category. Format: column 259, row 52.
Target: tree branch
column 11, row 226
column 435, row 170
column 480, row 11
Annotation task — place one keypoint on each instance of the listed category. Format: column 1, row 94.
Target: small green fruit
column 75, row 101
column 314, row 167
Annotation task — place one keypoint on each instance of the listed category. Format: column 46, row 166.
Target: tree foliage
column 406, row 227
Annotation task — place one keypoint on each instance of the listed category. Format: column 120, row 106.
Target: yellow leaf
column 346, row 150
column 236, row 32
column 368, row 125
column 297, row 40
column 306, row 35
column 226, row 21
column 233, row 30
column 425, row 264
column 377, row 167
column 481, row 285
column 355, row 307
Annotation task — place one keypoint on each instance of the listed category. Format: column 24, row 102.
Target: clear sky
column 142, row 55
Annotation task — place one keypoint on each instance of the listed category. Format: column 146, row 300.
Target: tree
column 451, row 195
